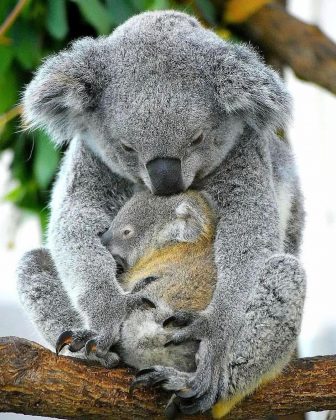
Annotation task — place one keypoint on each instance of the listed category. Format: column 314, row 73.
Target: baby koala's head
column 147, row 222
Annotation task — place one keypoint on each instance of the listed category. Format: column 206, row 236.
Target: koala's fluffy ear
column 244, row 85
column 189, row 222
column 64, row 88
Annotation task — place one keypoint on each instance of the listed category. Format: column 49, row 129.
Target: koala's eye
column 127, row 148
column 198, row 140
column 127, row 232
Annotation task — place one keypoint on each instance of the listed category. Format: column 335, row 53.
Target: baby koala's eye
column 127, row 148
column 127, row 232
column 198, row 140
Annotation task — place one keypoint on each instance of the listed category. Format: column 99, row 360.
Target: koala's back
column 182, row 276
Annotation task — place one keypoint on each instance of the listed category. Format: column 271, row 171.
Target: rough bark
column 301, row 46
column 33, row 380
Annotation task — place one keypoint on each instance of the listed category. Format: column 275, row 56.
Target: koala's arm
column 85, row 199
column 248, row 230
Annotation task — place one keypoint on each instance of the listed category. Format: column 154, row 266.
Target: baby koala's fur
column 166, row 246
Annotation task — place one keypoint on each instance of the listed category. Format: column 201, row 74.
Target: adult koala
column 165, row 104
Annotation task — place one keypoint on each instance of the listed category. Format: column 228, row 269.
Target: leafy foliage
column 43, row 27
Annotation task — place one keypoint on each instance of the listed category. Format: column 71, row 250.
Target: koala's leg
column 43, row 296
column 268, row 337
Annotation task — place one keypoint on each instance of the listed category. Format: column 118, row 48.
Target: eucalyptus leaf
column 46, row 159
column 57, row 23
column 96, row 14
column 6, row 57
column 9, row 90
column 26, row 45
column 208, row 10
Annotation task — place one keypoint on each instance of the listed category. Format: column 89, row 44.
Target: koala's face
column 135, row 228
column 161, row 100
column 147, row 222
column 166, row 143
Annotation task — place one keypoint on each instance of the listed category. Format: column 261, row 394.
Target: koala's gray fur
column 148, row 91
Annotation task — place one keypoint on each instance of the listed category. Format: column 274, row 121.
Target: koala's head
column 147, row 222
column 161, row 100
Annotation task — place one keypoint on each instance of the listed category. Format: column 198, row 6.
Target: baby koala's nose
column 165, row 175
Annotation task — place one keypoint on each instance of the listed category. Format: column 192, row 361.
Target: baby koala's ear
column 65, row 88
column 188, row 224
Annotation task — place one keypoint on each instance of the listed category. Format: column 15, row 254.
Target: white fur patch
column 284, row 199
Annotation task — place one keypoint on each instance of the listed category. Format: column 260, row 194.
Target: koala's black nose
column 165, row 175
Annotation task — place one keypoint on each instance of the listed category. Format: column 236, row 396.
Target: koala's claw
column 172, row 410
column 147, row 302
column 169, row 378
column 90, row 347
column 147, row 377
column 97, row 348
column 63, row 340
column 179, row 319
column 74, row 340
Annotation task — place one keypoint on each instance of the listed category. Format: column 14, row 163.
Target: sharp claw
column 172, row 343
column 148, row 302
column 172, row 410
column 168, row 321
column 138, row 381
column 179, row 320
column 63, row 340
column 186, row 393
column 90, row 347
column 135, row 384
column 144, row 372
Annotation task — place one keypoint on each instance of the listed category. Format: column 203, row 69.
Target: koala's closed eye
column 198, row 140
column 127, row 148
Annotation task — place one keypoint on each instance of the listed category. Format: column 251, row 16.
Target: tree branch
column 33, row 380
column 9, row 115
column 303, row 47
column 11, row 18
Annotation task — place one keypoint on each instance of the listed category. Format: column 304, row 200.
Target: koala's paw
column 84, row 339
column 169, row 378
column 204, row 387
column 102, row 346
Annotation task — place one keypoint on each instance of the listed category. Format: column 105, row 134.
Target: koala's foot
column 80, row 339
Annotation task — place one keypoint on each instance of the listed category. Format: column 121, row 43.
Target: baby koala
column 165, row 248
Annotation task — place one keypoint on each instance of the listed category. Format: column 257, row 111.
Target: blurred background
column 28, row 161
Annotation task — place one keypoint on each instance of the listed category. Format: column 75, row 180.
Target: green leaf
column 9, row 90
column 16, row 194
column 26, row 45
column 6, row 56
column 44, row 215
column 208, row 10
column 46, row 159
column 142, row 5
column 161, row 4
column 6, row 6
column 121, row 11
column 57, row 23
column 96, row 14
